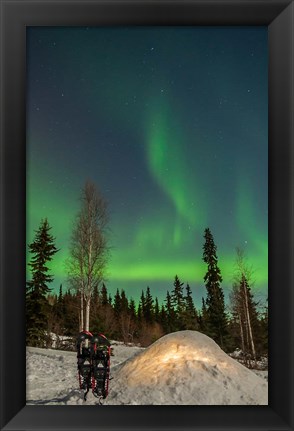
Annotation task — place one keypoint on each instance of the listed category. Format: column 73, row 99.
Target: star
column 177, row 115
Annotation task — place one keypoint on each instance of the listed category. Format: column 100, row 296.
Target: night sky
column 171, row 125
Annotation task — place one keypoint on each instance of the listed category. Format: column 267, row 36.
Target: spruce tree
column 124, row 302
column 177, row 303
column 139, row 314
column 190, row 318
column 42, row 249
column 170, row 314
column 132, row 309
column 117, row 304
column 148, row 309
column 58, row 308
column 156, row 311
column 70, row 316
column 203, row 317
column 216, row 324
column 142, row 304
column 60, row 296
column 163, row 319
column 104, row 297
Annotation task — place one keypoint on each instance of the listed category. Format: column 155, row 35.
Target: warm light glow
column 171, row 356
column 175, row 354
column 185, row 355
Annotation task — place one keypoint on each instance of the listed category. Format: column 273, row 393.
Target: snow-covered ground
column 184, row 368
column 52, row 376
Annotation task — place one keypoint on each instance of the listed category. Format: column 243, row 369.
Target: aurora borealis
column 171, row 125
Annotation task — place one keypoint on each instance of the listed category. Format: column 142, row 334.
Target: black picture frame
column 15, row 16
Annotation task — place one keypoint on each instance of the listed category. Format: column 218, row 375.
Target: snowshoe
column 84, row 361
column 93, row 355
column 100, row 348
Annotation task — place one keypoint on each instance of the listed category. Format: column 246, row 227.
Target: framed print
column 123, row 28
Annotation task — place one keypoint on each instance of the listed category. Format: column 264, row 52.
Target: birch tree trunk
column 82, row 313
column 249, row 326
column 242, row 335
column 87, row 317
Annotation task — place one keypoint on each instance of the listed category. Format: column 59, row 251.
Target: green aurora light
column 158, row 158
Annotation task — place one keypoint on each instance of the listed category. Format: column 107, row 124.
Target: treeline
column 120, row 319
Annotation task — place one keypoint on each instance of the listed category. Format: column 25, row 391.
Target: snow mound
column 187, row 368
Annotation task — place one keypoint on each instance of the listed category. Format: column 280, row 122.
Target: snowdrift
column 186, row 368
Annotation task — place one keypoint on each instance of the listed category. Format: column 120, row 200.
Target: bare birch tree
column 89, row 251
column 236, row 307
column 242, row 303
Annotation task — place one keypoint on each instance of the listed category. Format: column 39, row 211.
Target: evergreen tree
column 216, row 324
column 117, row 304
column 170, row 314
column 42, row 249
column 104, row 298
column 190, row 319
column 132, row 309
column 148, row 309
column 139, row 314
column 177, row 303
column 156, row 311
column 123, row 318
column 177, row 296
column 60, row 296
column 203, row 317
column 142, row 304
column 163, row 319
column 71, row 314
column 58, row 307
column 124, row 302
